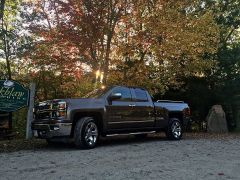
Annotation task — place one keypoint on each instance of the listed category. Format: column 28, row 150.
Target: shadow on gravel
column 41, row 145
column 106, row 142
column 126, row 140
column 59, row 146
column 132, row 140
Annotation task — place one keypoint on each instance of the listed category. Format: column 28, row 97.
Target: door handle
column 131, row 105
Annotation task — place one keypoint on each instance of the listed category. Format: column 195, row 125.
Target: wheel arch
column 97, row 116
column 176, row 115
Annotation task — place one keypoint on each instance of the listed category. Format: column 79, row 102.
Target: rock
column 216, row 120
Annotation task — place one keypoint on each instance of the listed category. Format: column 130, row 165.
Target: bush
column 19, row 122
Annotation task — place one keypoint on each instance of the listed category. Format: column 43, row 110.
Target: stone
column 216, row 120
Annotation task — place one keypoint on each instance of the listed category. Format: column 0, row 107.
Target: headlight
column 62, row 109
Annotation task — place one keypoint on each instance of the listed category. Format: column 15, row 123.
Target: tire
column 86, row 133
column 174, row 130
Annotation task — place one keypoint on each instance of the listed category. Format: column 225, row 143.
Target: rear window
column 141, row 94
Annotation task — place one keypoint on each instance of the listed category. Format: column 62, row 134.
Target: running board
column 135, row 133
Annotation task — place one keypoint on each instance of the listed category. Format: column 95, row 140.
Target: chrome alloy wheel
column 176, row 129
column 91, row 133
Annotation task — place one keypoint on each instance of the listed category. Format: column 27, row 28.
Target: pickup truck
column 107, row 112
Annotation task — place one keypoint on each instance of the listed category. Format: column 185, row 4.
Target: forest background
column 177, row 49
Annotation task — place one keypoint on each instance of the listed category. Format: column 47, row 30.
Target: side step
column 135, row 133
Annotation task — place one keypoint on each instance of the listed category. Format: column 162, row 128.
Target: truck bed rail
column 170, row 101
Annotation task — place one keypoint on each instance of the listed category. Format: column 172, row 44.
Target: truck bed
column 172, row 105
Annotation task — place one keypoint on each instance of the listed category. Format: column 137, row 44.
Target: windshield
column 97, row 93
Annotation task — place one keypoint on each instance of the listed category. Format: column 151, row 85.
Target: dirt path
column 129, row 158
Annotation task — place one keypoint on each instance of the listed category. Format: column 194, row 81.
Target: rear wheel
column 86, row 133
column 174, row 130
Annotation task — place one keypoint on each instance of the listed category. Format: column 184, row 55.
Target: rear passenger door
column 143, row 111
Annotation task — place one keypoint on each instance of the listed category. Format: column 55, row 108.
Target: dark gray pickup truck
column 109, row 111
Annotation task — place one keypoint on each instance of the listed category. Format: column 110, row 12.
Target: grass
column 205, row 135
column 21, row 144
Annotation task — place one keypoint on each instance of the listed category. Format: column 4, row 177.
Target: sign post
column 30, row 111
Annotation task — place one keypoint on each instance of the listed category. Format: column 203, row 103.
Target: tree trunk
column 106, row 62
column 8, row 69
column 6, row 50
column 2, row 9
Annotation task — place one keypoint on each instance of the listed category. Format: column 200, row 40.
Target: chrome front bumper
column 51, row 130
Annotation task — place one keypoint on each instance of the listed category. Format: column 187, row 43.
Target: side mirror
column 115, row 96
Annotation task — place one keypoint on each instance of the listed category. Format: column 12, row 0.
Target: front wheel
column 86, row 133
column 174, row 130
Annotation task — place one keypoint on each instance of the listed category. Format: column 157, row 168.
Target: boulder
column 237, row 119
column 216, row 120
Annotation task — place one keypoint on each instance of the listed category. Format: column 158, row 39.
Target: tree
column 165, row 43
column 9, row 36
column 2, row 9
column 220, row 84
column 71, row 45
column 225, row 76
column 155, row 44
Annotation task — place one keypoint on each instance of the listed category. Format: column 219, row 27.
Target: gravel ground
column 194, row 157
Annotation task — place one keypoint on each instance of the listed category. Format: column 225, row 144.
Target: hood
column 84, row 103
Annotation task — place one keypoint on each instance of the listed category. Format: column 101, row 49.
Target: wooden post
column 10, row 121
column 30, row 111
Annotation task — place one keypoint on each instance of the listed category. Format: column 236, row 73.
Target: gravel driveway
column 129, row 158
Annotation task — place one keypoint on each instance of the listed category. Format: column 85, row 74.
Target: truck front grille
column 50, row 110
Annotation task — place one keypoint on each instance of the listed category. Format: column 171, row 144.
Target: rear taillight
column 187, row 112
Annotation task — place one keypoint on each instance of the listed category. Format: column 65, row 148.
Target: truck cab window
column 126, row 94
column 140, row 94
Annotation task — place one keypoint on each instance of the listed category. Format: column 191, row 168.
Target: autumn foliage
column 155, row 44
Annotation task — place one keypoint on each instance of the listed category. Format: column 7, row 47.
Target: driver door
column 120, row 111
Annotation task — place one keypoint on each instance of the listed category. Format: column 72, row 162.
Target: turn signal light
column 62, row 113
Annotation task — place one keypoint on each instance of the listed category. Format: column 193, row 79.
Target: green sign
column 13, row 96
